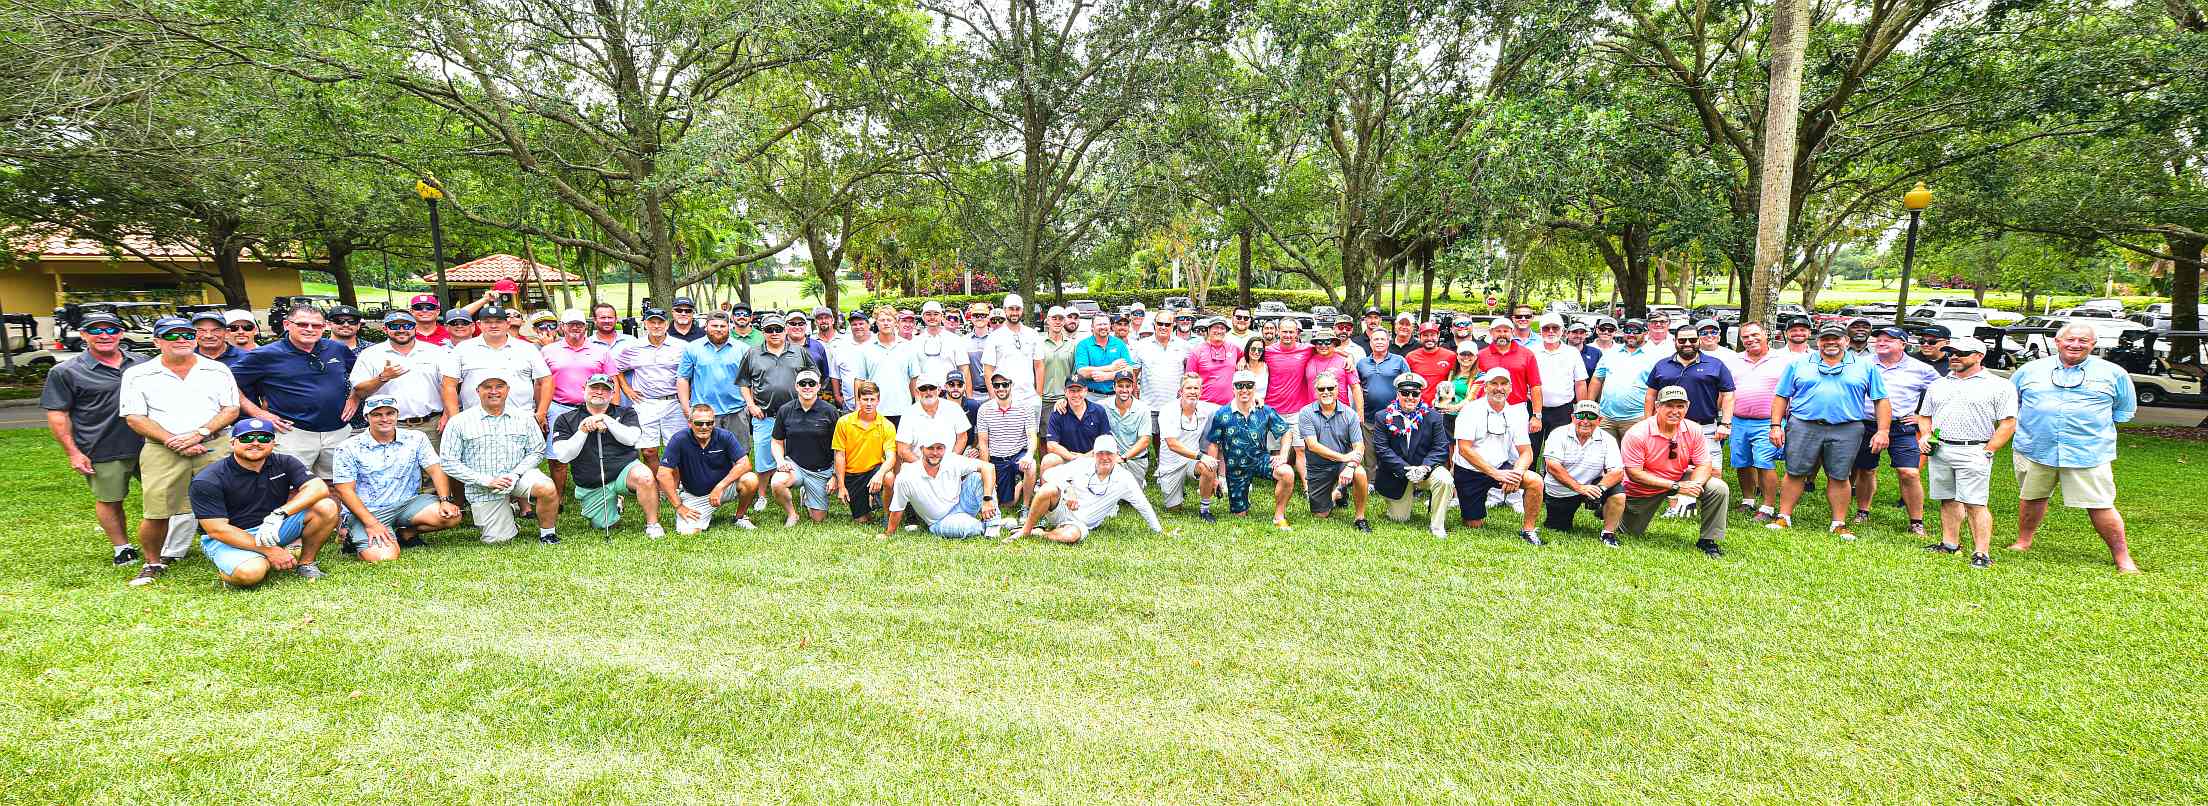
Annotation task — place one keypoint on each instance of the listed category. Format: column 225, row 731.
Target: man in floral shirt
column 1237, row 440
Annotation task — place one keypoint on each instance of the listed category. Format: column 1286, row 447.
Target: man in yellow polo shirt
column 865, row 444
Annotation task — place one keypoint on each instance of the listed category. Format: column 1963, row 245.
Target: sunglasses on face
column 256, row 439
column 425, row 307
column 345, row 321
column 102, row 330
column 1245, row 386
column 1326, row 389
column 242, row 328
column 701, row 423
column 1001, row 385
column 686, row 310
column 547, row 326
column 771, row 329
column 399, row 326
column 1586, row 416
column 310, row 325
column 1521, row 316
column 173, row 335
column 807, row 384
column 924, row 388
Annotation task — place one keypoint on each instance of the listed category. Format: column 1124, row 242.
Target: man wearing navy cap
column 1932, row 348
column 81, row 398
column 495, row 351
column 685, row 326
column 213, row 338
column 378, row 480
column 1906, row 379
column 260, row 510
column 459, row 327
column 345, row 327
column 651, row 368
column 301, row 383
column 740, row 329
column 804, row 437
column 179, row 404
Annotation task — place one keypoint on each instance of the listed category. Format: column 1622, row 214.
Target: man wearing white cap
column 953, row 493
column 573, row 359
column 931, row 415
column 1081, row 495
column 599, row 441
column 804, row 438
column 378, row 479
column 1060, row 341
column 1236, row 440
column 240, row 329
column 495, row 351
column 1493, row 448
column 1016, row 351
column 650, row 368
column 936, row 348
column 493, row 448
column 1964, row 419
column 1563, row 377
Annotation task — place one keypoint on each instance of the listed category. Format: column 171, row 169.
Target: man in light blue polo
column 1620, row 382
column 2067, row 408
column 707, row 374
column 1817, row 416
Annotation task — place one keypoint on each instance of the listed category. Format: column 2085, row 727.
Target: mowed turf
column 1227, row 663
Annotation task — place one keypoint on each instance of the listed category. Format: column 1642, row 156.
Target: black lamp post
column 431, row 194
column 1914, row 201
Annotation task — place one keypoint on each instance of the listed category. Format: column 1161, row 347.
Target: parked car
column 2108, row 332
column 1085, row 307
column 2153, row 321
column 1562, row 307
column 1177, row 303
column 2162, row 309
column 1724, row 314
column 2114, row 306
column 1874, row 311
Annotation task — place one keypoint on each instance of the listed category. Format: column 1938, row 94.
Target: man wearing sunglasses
column 598, row 441
column 1181, row 436
column 685, row 326
column 740, row 326
column 768, row 381
column 648, row 368
column 1005, row 430
column 1214, row 362
column 1932, row 348
column 428, row 326
column 260, row 510
column 936, row 349
column 953, row 494
column 1666, row 470
column 804, row 438
column 1493, row 446
column 408, row 370
column 1973, row 415
column 1240, row 333
column 1159, row 363
column 850, row 355
column 1334, row 451
column 301, row 383
column 1583, row 469
column 701, row 468
column 1708, row 383
column 1431, row 362
column 1236, row 443
column 1620, row 382
column 1906, row 379
column 1817, row 416
column 179, row 404
column 2067, row 408
column 81, row 398
column 345, row 328
column 1078, row 497
column 240, row 330
column 493, row 447
column 1411, row 444
column 459, row 328
column 1015, row 351
column 543, row 329
column 378, row 480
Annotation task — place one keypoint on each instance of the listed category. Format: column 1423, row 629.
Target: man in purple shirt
column 1906, row 379
column 647, row 368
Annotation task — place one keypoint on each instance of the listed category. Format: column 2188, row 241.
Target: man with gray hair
column 2067, row 408
column 1081, row 495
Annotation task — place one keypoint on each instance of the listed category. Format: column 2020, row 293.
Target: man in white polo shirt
column 179, row 403
column 406, row 369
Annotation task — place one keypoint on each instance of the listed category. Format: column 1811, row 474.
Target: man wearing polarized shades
column 409, row 370
column 1583, row 469
column 179, row 404
column 767, row 379
column 81, row 398
column 804, row 433
column 260, row 510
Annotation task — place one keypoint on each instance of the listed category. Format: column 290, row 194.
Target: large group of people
column 972, row 422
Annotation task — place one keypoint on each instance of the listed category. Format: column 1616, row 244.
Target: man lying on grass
column 259, row 509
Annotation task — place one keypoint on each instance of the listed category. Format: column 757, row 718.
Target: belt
column 1964, row 441
column 656, row 399
column 417, row 420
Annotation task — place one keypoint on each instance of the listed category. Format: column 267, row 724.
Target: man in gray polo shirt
column 1334, row 450
column 767, row 379
column 81, row 399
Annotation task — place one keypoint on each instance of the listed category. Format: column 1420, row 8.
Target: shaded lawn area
column 1231, row 663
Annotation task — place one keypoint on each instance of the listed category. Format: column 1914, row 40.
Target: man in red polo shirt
column 1431, row 361
column 1665, row 470
column 1503, row 350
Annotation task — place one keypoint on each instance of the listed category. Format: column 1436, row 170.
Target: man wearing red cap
column 429, row 324
column 1430, row 361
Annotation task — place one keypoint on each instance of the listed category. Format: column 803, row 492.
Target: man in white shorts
column 701, row 468
column 953, row 493
column 1181, row 426
column 1963, row 420
column 1081, row 495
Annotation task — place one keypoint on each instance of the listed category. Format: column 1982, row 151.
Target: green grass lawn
column 1227, row 664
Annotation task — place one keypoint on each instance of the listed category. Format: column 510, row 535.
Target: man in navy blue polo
column 1708, row 384
column 302, row 384
column 259, row 510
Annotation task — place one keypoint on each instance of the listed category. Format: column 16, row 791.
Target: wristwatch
column 202, row 432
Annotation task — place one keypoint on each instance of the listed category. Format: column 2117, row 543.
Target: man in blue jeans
column 259, row 509
column 953, row 493
column 1817, row 416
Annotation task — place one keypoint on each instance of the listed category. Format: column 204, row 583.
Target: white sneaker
column 789, row 521
column 654, row 531
column 744, row 523
column 759, row 504
column 993, row 531
column 912, row 527
column 1439, row 533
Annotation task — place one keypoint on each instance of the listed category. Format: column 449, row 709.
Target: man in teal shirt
column 707, row 374
column 1620, row 381
column 2067, row 408
column 1099, row 359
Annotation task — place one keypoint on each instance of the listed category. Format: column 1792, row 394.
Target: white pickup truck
column 1949, row 307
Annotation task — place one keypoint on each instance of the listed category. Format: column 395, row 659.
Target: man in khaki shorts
column 2067, row 408
column 179, row 404
column 80, row 399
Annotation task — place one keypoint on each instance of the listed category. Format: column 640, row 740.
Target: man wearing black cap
column 805, row 459
column 767, row 379
column 740, row 315
column 81, row 398
column 685, row 325
column 598, row 441
column 1932, row 348
column 1411, row 443
column 1906, row 379
column 1798, row 332
column 345, row 328
column 1859, row 337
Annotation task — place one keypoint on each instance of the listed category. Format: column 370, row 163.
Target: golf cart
column 2157, row 380
column 137, row 317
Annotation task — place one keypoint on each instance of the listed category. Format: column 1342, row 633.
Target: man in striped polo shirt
column 1006, row 428
column 1962, row 421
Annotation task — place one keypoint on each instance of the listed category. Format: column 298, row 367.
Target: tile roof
column 503, row 267
column 58, row 244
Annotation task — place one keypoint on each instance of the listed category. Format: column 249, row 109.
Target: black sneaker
column 147, row 574
column 1531, row 538
column 1363, row 525
column 1942, row 548
column 1709, row 547
column 1980, row 561
column 410, row 540
column 125, row 555
column 548, row 538
column 1204, row 511
column 1610, row 540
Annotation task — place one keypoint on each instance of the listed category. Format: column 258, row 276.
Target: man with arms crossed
column 1181, row 434
column 179, row 404
column 377, row 477
column 1973, row 413
column 260, row 510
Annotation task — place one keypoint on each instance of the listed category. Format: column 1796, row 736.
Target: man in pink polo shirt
column 1665, row 471
column 1756, row 371
column 573, row 359
column 1214, row 362
column 1286, row 389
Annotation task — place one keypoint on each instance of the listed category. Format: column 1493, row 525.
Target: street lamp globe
column 1917, row 199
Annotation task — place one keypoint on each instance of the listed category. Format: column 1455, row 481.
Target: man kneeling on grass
column 955, row 494
column 494, row 450
column 1583, row 471
column 1081, row 495
column 598, row 444
column 1665, row 469
column 377, row 476
column 701, row 467
column 258, row 509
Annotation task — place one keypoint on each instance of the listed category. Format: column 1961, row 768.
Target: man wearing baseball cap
column 429, row 327
column 1563, row 377
column 1431, row 362
column 81, row 397
column 1071, row 429
column 1708, row 383
column 1906, row 378
column 1817, row 418
column 1079, row 496
column 378, row 478
column 493, row 447
column 1620, row 382
column 1963, row 420
column 1236, row 441
column 1932, row 348
column 495, row 351
column 649, row 369
column 1494, row 448
column 804, row 438
column 684, row 324
column 241, row 330
column 406, row 369
column 1582, row 468
column 180, row 404
column 460, row 327
column 214, row 341
column 260, row 510
column 952, row 493
column 1667, row 469
column 598, row 441
column 1505, row 352
column 574, row 359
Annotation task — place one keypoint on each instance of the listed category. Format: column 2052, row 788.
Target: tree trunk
column 1774, row 204
column 2185, row 291
column 827, row 263
column 1426, row 281
column 339, row 264
column 1242, row 267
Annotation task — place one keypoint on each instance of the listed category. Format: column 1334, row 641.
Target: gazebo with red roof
column 482, row 272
